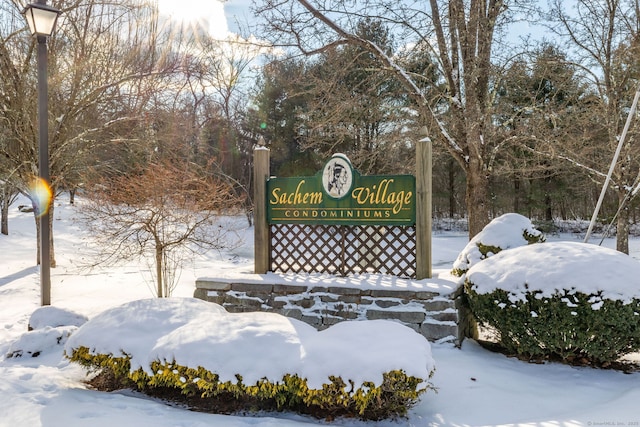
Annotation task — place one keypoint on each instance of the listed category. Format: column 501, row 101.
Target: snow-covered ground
column 475, row 387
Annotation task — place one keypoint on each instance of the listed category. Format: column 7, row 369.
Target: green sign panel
column 338, row 194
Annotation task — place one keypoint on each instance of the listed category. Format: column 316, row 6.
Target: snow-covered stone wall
column 432, row 314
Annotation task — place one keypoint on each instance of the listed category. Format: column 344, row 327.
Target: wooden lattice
column 343, row 250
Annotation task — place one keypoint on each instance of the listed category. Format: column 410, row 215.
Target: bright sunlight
column 206, row 14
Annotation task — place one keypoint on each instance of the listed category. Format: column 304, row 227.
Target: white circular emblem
column 337, row 176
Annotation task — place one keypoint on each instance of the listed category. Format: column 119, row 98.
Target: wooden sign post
column 423, row 209
column 261, row 228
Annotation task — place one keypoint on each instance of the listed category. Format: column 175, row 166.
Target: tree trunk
column 452, row 188
column 4, row 215
column 622, row 226
column 159, row 254
column 548, row 211
column 477, row 197
column 516, row 194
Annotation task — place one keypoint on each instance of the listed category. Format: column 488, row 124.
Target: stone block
column 330, row 321
column 264, row 297
column 438, row 305
column 347, row 315
column 294, row 313
column 277, row 305
column 344, row 291
column 232, row 299
column 242, row 301
column 251, row 303
column 388, row 293
column 437, row 331
column 326, row 312
column 251, row 287
column 350, row 299
column 426, row 295
column 328, row 298
column 367, row 301
column 289, row 289
column 403, row 316
column 304, row 303
column 201, row 293
column 216, row 297
column 314, row 321
column 445, row 316
column 213, row 285
column 387, row 303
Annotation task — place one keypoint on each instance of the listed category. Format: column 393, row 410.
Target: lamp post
column 42, row 20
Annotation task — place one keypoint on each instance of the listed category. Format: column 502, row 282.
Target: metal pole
column 612, row 166
column 43, row 171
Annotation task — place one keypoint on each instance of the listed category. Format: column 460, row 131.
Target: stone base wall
column 431, row 314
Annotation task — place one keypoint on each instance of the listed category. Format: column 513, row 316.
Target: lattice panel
column 343, row 250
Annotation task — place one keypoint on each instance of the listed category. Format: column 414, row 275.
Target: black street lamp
column 42, row 20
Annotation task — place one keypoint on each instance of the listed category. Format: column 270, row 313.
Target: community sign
column 338, row 194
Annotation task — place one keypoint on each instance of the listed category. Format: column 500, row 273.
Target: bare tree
column 162, row 214
column 104, row 61
column 8, row 195
column 460, row 35
column 603, row 37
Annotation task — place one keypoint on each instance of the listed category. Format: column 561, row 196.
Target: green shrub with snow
column 392, row 398
column 572, row 301
column 368, row 369
column 505, row 232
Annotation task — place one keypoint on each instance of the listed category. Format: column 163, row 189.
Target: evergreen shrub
column 505, row 232
column 571, row 326
column 397, row 393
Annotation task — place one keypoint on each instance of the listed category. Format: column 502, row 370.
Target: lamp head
column 41, row 18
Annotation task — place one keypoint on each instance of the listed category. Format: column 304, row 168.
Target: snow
column 54, row 317
column 195, row 333
column 552, row 267
column 475, row 387
column 441, row 282
column 505, row 232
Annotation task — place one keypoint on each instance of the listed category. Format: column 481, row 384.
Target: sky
column 475, row 387
column 220, row 17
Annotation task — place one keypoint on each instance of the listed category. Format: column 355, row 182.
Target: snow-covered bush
column 49, row 328
column 52, row 316
column 370, row 369
column 505, row 232
column 573, row 301
column 40, row 341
